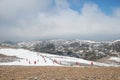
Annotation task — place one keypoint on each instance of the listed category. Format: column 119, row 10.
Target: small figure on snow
column 92, row 64
column 29, row 62
column 34, row 62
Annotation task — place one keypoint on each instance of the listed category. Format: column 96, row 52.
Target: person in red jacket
column 34, row 62
column 92, row 64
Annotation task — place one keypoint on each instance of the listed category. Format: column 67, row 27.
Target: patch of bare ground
column 59, row 73
column 106, row 60
column 103, row 60
column 5, row 58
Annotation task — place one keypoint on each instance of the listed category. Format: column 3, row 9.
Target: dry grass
column 59, row 73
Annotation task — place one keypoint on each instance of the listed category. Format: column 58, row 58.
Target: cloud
column 11, row 10
column 37, row 19
column 117, row 12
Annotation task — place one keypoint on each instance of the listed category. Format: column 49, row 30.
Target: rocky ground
column 59, row 73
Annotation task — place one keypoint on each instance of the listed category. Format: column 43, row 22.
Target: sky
column 27, row 20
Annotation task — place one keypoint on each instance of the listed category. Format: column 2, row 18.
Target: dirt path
column 59, row 73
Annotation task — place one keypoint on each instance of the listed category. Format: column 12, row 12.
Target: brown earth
column 5, row 58
column 106, row 60
column 59, row 73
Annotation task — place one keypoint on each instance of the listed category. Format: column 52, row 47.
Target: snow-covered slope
column 30, row 58
column 115, row 59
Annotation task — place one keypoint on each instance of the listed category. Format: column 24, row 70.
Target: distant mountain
column 8, row 42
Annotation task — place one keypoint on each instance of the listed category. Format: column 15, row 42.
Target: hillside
column 85, row 49
column 31, row 58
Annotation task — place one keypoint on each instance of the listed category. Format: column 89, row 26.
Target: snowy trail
column 30, row 58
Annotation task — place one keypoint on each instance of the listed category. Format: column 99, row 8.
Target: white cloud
column 117, row 12
column 15, row 9
column 45, row 20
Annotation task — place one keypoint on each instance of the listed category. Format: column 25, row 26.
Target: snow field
column 30, row 58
